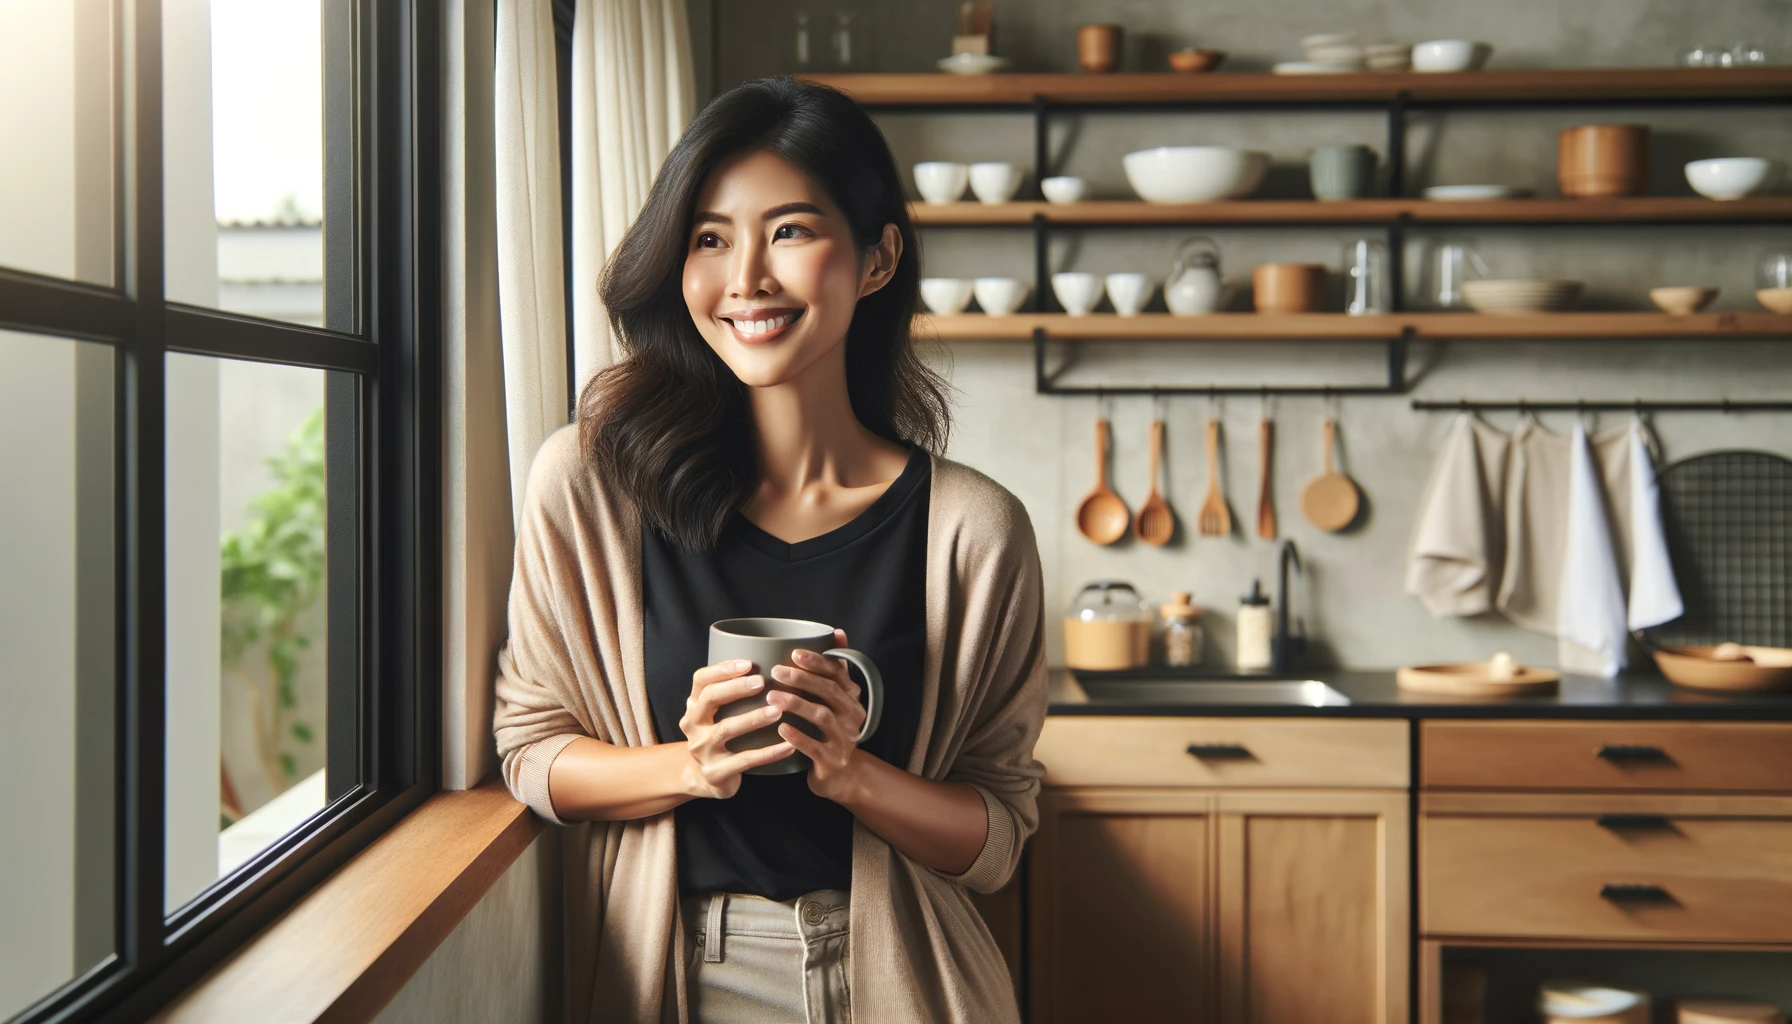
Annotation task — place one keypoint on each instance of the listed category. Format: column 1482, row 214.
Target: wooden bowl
column 1777, row 299
column 1683, row 300
column 1519, row 296
column 1193, row 62
column 1762, row 668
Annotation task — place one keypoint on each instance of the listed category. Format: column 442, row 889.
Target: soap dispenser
column 1255, row 630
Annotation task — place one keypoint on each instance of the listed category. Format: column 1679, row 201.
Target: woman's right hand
column 713, row 770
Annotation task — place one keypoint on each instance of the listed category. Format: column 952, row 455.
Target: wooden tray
column 1766, row 668
column 1470, row 679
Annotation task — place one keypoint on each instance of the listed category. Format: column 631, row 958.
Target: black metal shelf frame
column 1394, row 230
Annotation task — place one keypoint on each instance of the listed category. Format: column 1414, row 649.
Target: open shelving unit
column 1043, row 95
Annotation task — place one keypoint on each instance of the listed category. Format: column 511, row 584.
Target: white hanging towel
column 1590, row 613
column 1654, row 591
column 1458, row 545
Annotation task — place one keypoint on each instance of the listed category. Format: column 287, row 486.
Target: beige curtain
column 632, row 95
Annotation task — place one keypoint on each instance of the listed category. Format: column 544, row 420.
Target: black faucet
column 1286, row 647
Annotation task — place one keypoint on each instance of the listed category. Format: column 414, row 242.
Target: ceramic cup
column 1077, row 292
column 999, row 296
column 767, row 642
column 1287, row 287
column 940, row 181
column 1129, row 292
column 994, row 181
column 1098, row 48
column 1061, row 189
column 1341, row 172
column 945, row 295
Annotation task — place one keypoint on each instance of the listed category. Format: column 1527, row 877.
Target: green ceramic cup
column 1341, row 172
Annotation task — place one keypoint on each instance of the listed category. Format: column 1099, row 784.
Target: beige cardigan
column 574, row 667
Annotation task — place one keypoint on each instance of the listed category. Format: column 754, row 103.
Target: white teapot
column 1194, row 285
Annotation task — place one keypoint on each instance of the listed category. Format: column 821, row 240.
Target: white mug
column 994, row 182
column 940, row 181
column 1077, row 292
column 1130, row 293
column 1000, row 296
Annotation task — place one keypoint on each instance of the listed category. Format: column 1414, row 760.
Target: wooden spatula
column 1266, row 509
column 1216, row 518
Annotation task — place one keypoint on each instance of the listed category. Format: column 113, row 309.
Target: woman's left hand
column 830, row 702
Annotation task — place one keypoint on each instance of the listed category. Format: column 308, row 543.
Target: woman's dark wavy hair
column 669, row 425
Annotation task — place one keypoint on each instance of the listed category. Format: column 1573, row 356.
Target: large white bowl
column 1194, row 174
column 1449, row 55
column 946, row 295
column 1732, row 177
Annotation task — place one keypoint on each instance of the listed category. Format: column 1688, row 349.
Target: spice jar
column 1183, row 636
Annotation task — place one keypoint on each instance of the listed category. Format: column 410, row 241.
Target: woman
column 770, row 446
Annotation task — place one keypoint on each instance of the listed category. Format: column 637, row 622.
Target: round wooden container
column 1288, row 287
column 1098, row 48
column 1600, row 160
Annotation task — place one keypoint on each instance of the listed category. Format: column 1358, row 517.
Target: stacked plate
column 1388, row 56
column 1511, row 297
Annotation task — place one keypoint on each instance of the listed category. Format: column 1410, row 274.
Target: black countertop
column 1373, row 694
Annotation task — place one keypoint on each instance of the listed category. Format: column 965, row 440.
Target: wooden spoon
column 1216, row 518
column 1266, row 509
column 1331, row 499
column 1102, row 517
column 1156, row 522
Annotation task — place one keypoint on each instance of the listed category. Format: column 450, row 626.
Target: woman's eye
column 708, row 240
column 795, row 232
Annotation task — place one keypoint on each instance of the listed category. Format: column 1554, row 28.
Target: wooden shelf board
column 1559, row 84
column 1643, row 209
column 1338, row 327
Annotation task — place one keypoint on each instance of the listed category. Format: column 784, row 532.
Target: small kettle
column 1193, row 286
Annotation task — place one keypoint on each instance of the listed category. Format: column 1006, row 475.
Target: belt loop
column 712, row 946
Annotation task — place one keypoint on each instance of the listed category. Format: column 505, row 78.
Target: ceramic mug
column 1341, row 172
column 767, row 642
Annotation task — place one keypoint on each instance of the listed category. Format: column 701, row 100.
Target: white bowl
column 946, row 295
column 1063, row 189
column 1194, row 174
column 972, row 64
column 1519, row 296
column 940, row 181
column 1000, row 296
column 994, row 182
column 1449, row 55
column 1130, row 292
column 1732, row 177
column 1077, row 292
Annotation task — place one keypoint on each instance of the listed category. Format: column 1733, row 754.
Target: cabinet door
column 1313, row 899
column 1120, row 889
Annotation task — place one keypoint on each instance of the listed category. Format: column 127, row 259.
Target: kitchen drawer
column 1101, row 750
column 1622, row 866
column 1734, row 756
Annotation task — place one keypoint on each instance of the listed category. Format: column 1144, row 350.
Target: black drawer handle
column 1219, row 752
column 1621, row 753
column 1634, row 894
column 1638, row 822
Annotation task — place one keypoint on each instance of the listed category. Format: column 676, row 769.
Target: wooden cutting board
column 1473, row 679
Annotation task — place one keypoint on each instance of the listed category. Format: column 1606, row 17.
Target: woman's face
column 771, row 272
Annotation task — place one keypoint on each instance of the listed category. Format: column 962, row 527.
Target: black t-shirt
column 774, row 838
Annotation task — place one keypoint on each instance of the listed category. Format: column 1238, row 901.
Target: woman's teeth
column 761, row 326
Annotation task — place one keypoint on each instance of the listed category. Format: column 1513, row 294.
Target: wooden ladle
column 1330, row 500
column 1156, row 522
column 1102, row 516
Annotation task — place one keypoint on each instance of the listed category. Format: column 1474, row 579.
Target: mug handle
column 874, row 688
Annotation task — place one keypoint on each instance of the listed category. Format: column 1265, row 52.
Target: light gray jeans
column 750, row 960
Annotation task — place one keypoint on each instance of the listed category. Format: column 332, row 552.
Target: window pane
column 57, row 614
column 56, row 92
column 257, row 504
column 250, row 214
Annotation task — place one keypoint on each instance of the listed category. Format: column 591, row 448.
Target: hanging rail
column 1045, row 382
column 1635, row 405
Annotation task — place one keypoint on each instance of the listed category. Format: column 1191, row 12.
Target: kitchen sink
column 1193, row 692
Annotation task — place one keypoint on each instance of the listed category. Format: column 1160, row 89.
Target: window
column 218, row 310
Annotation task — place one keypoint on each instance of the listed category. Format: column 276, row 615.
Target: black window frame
column 391, row 347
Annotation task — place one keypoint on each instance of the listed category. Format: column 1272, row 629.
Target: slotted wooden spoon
column 1331, row 499
column 1216, row 518
column 1102, row 516
column 1156, row 522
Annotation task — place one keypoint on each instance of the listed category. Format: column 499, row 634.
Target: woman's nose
column 749, row 274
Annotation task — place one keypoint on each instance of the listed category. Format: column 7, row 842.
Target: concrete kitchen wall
column 1351, row 595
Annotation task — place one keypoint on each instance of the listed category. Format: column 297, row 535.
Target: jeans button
column 813, row 913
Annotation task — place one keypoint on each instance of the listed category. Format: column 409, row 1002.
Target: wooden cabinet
column 1179, row 902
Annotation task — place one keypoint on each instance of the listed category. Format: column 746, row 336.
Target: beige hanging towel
column 1458, row 544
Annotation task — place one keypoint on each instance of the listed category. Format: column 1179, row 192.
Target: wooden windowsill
column 345, row 950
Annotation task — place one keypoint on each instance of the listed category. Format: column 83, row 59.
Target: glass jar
column 1366, row 283
column 1107, row 628
column 1184, row 637
column 1775, row 269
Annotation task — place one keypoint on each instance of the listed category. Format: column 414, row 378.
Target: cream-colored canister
column 1107, row 629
